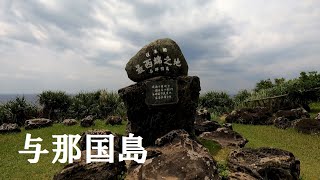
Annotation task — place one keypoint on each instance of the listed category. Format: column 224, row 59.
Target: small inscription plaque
column 162, row 92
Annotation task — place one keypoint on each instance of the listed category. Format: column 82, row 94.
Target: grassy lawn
column 315, row 109
column 15, row 166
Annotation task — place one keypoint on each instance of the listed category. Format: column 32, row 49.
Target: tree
column 55, row 104
column 263, row 84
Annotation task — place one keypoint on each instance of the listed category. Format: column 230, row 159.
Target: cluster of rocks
column 256, row 116
column 297, row 118
column 161, row 108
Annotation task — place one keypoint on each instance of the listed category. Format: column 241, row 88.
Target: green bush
column 100, row 104
column 239, row 98
column 55, row 104
column 216, row 102
column 17, row 111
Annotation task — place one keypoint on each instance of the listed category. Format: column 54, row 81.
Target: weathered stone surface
column 9, row 128
column 176, row 156
column 240, row 176
column 256, row 116
column 225, row 137
column 205, row 126
column 87, row 121
column 308, row 126
column 228, row 125
column 114, row 120
column 282, row 123
column 147, row 59
column 318, row 117
column 37, row 123
column 265, row 163
column 293, row 114
column 92, row 171
column 69, row 122
column 152, row 122
column 83, row 143
column 203, row 115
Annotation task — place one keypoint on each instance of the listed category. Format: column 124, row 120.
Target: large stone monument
column 164, row 97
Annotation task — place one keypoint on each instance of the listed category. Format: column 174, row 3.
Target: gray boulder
column 175, row 156
column 114, row 120
column 9, row 128
column 205, row 126
column 92, row 171
column 37, row 123
column 87, row 121
column 225, row 137
column 161, row 57
column 265, row 163
column 69, row 122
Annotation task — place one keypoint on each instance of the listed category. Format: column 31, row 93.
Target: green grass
column 15, row 166
column 305, row 147
column 315, row 109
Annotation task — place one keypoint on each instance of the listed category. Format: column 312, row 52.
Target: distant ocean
column 31, row 98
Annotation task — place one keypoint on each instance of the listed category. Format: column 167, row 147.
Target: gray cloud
column 83, row 45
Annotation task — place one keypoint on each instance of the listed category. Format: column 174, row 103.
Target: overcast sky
column 85, row 45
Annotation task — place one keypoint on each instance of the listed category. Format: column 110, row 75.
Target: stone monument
column 164, row 97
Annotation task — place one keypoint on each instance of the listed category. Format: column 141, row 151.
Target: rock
column 240, row 176
column 176, row 156
column 37, row 123
column 83, row 143
column 153, row 121
column 203, row 115
column 228, row 125
column 90, row 171
column 308, row 126
column 256, row 116
column 162, row 57
column 318, row 117
column 87, row 121
column 265, row 163
column 293, row 114
column 206, row 126
column 282, row 123
column 9, row 128
column 114, row 120
column 69, row 122
column 225, row 137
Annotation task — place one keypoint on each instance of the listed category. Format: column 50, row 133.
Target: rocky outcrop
column 69, row 122
column 225, row 137
column 318, row 117
column 175, row 156
column 308, row 126
column 240, row 176
column 87, row 121
column 292, row 114
column 205, row 126
column 9, row 128
column 203, row 115
column 162, row 57
column 282, row 123
column 83, row 142
column 153, row 121
column 37, row 123
column 265, row 163
column 256, row 116
column 114, row 120
column 97, row 170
